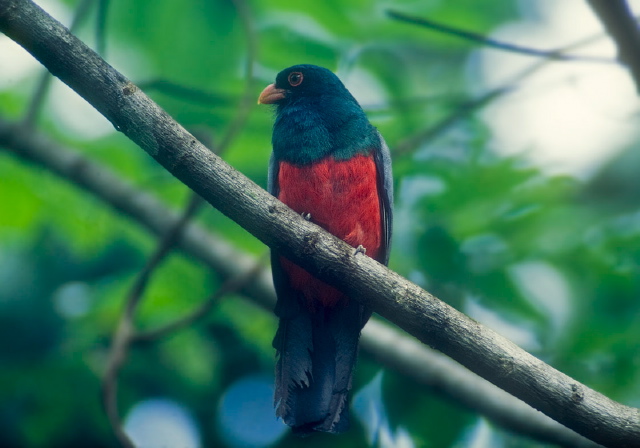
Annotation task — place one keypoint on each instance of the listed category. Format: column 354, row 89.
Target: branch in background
column 42, row 89
column 206, row 98
column 162, row 250
column 101, row 27
column 140, row 206
column 126, row 327
column 230, row 286
column 117, row 356
column 487, row 353
column 449, row 379
column 389, row 346
column 467, row 108
column 248, row 97
column 464, row 110
column 413, row 101
column 191, row 94
column 555, row 55
column 37, row 100
column 620, row 23
column 437, row 129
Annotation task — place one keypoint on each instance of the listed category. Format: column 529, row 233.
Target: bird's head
column 303, row 81
column 316, row 116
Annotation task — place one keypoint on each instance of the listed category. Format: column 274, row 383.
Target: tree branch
column 620, row 23
column 395, row 350
column 485, row 352
column 555, row 55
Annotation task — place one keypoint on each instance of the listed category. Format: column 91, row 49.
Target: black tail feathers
column 316, row 355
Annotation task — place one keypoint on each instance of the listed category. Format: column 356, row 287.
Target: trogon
column 333, row 167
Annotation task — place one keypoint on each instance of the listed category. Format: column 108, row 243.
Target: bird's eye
column 295, row 79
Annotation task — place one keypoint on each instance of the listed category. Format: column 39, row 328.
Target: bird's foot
column 360, row 250
column 306, row 216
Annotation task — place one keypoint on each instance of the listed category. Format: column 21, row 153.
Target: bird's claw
column 306, row 216
column 360, row 250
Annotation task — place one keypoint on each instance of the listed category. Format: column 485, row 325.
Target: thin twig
column 126, row 327
column 248, row 100
column 415, row 101
column 192, row 94
column 462, row 111
column 230, row 286
column 101, row 27
column 117, row 355
column 555, row 55
column 42, row 89
column 195, row 95
column 165, row 246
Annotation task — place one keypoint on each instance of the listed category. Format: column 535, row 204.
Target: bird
column 333, row 167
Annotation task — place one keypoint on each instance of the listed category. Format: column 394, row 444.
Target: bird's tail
column 317, row 352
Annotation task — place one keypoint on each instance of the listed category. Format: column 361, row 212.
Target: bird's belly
column 342, row 197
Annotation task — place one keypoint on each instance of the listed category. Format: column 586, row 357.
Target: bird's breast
column 342, row 197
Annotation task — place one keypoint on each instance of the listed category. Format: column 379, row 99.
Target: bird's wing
column 382, row 158
column 272, row 176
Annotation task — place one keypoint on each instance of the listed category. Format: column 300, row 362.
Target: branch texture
column 404, row 303
column 620, row 23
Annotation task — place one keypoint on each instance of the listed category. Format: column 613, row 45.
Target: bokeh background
column 517, row 203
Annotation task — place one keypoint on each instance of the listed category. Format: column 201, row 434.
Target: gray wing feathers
column 385, row 185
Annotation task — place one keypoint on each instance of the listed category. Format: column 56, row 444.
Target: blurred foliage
column 551, row 261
